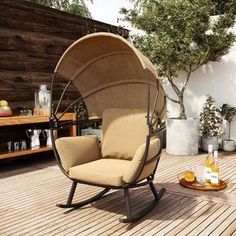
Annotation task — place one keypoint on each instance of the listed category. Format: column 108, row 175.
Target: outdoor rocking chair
column 118, row 84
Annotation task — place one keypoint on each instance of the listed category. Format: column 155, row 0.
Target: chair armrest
column 77, row 150
column 135, row 164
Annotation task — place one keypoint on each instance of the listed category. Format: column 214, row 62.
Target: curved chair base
column 140, row 214
column 132, row 218
column 69, row 203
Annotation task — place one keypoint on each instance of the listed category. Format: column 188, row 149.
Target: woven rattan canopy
column 109, row 72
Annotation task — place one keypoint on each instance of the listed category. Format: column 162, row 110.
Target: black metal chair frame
column 56, row 124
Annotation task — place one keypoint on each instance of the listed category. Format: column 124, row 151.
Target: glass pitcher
column 42, row 100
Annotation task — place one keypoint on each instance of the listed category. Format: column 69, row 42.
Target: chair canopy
column 109, row 72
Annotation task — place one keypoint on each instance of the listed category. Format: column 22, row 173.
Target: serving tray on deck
column 205, row 187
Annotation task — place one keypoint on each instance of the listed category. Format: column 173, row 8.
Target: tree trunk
column 182, row 114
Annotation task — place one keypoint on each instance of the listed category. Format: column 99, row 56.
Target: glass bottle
column 215, row 171
column 208, row 164
column 42, row 100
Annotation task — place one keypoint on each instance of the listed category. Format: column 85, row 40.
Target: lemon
column 5, row 108
column 3, row 103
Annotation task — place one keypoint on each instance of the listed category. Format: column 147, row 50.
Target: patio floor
column 29, row 192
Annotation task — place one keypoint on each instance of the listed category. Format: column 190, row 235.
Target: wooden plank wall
column 32, row 39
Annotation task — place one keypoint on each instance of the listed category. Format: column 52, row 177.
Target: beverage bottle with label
column 208, row 164
column 215, row 171
column 42, row 100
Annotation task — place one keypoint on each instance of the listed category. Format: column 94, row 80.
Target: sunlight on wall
column 217, row 79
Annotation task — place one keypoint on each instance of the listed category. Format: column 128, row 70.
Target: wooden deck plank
column 230, row 229
column 202, row 218
column 23, row 220
column 114, row 226
column 220, row 228
column 29, row 194
column 85, row 221
column 175, row 220
column 196, row 214
column 157, row 214
column 53, row 224
column 208, row 220
column 101, row 220
column 24, row 212
column 182, row 203
column 218, row 221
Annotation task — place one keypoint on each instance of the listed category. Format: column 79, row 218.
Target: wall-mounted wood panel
column 32, row 39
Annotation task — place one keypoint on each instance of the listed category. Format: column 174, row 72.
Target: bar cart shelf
column 27, row 120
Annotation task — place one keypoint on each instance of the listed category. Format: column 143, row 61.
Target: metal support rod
column 154, row 191
column 73, row 103
column 127, row 203
column 62, row 95
column 72, row 192
column 155, row 101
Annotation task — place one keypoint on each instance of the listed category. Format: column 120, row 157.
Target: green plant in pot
column 228, row 112
column 179, row 37
column 210, row 124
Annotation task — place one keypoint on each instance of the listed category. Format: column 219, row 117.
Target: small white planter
column 229, row 145
column 182, row 136
column 210, row 141
column 91, row 131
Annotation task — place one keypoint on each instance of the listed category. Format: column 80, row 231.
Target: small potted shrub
column 228, row 114
column 210, row 124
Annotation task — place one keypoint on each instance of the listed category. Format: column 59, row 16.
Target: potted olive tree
column 228, row 112
column 179, row 37
column 210, row 124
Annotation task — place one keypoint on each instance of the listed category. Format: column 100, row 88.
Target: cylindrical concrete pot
column 229, row 145
column 210, row 141
column 182, row 136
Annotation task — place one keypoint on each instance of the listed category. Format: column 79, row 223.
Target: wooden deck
column 29, row 192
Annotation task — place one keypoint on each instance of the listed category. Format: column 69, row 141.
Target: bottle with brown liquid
column 215, row 171
column 208, row 164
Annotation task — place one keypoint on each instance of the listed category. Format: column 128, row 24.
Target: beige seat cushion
column 74, row 151
column 102, row 172
column 116, row 172
column 123, row 131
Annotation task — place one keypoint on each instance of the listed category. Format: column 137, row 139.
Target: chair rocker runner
column 118, row 84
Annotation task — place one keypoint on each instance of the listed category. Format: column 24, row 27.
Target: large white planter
column 182, row 136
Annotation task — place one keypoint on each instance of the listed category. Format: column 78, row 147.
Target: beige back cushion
column 123, row 131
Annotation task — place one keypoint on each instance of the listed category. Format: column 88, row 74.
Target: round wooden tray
column 205, row 187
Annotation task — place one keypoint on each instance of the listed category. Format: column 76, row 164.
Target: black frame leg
column 132, row 218
column 128, row 207
column 70, row 197
column 72, row 192
column 159, row 195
